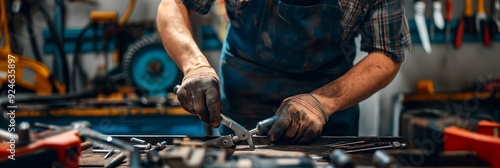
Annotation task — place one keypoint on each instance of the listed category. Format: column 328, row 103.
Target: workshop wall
column 472, row 63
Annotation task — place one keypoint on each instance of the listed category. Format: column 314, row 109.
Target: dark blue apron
column 278, row 48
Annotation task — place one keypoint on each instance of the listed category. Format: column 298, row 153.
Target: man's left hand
column 300, row 118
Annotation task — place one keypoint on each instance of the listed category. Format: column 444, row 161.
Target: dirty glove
column 199, row 94
column 300, row 119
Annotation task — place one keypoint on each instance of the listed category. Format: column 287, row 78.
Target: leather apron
column 275, row 49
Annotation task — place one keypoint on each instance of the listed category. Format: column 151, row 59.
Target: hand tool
column 448, row 18
column 228, row 141
column 240, row 131
column 496, row 14
column 369, row 140
column 482, row 23
column 466, row 24
column 384, row 145
column 262, row 128
column 438, row 14
column 419, row 7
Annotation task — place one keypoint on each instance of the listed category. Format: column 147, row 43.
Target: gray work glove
column 300, row 118
column 199, row 94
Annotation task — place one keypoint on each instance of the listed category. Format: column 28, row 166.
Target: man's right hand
column 199, row 94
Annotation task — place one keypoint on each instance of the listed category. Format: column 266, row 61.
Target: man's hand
column 200, row 94
column 301, row 119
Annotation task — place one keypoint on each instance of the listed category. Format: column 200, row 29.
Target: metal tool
column 262, row 128
column 338, row 158
column 482, row 25
column 496, row 14
column 438, row 14
column 419, row 8
column 109, row 154
column 242, row 134
column 387, row 145
column 480, row 14
column 465, row 25
column 449, row 45
column 369, row 140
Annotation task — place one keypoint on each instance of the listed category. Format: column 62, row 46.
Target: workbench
column 316, row 150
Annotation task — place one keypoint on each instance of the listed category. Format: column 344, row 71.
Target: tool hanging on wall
column 482, row 23
column 496, row 14
column 465, row 25
column 419, row 7
column 437, row 17
column 448, row 17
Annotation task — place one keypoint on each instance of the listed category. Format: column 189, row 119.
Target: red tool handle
column 486, row 147
column 486, row 33
column 449, row 10
column 488, row 127
column 459, row 35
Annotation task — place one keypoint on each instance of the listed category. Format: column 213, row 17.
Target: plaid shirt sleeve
column 382, row 25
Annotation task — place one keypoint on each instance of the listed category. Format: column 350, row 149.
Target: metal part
column 480, row 15
column 419, row 8
column 369, row 140
column 116, row 161
column 221, row 142
column 7, row 136
column 394, row 145
column 382, row 159
column 109, row 154
column 159, row 146
column 338, row 158
column 143, row 147
column 496, row 14
column 24, row 134
column 137, row 141
column 240, row 131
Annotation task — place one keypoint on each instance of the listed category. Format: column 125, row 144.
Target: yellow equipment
column 42, row 84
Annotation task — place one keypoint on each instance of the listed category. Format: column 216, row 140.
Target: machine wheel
column 148, row 67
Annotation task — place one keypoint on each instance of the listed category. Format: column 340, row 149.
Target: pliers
column 227, row 141
column 242, row 134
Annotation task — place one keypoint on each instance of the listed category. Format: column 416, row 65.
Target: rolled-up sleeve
column 385, row 29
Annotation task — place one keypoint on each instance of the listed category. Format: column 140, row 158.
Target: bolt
column 137, row 140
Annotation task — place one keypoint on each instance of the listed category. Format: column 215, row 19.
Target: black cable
column 59, row 46
column 31, row 34
column 76, row 54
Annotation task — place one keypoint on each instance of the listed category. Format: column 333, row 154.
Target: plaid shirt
column 381, row 23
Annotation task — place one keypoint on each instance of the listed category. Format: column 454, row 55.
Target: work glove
column 300, row 118
column 199, row 94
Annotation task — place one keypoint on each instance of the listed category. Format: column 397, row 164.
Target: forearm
column 367, row 77
column 175, row 31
